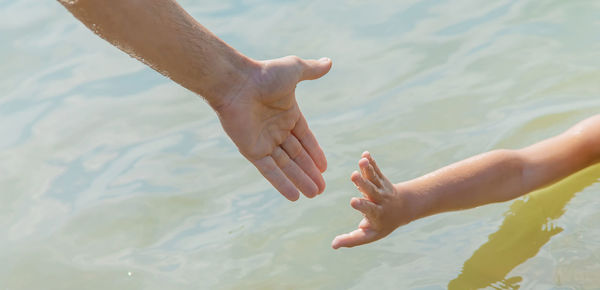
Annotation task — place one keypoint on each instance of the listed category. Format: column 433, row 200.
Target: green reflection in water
column 528, row 226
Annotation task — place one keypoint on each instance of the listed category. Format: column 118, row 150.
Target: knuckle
column 294, row 152
column 296, row 59
column 278, row 156
column 300, row 131
column 376, row 212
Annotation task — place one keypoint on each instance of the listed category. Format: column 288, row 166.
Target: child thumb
column 314, row 69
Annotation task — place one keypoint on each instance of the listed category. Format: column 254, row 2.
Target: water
column 113, row 177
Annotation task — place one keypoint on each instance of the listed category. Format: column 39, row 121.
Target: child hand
column 384, row 206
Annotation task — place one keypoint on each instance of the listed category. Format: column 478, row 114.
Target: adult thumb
column 314, row 69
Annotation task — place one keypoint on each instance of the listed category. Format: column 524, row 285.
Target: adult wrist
column 233, row 76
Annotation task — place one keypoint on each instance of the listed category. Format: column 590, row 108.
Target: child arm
column 502, row 175
column 553, row 159
column 496, row 176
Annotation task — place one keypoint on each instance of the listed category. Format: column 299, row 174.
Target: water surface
column 113, row 177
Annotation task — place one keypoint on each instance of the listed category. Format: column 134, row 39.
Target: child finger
column 355, row 238
column 369, row 157
column 368, row 171
column 368, row 208
column 367, row 188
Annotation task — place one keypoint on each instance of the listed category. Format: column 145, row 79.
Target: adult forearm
column 161, row 34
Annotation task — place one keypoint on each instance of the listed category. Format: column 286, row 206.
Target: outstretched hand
column 385, row 206
column 264, row 121
column 255, row 100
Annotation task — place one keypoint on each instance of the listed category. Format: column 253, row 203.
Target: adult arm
column 255, row 100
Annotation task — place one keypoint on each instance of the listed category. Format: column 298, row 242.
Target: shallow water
column 113, row 177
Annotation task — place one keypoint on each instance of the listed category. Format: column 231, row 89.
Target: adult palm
column 264, row 121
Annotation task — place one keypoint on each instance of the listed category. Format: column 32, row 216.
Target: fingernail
column 324, row 59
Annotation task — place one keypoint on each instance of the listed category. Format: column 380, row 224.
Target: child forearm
column 502, row 175
column 490, row 177
column 553, row 159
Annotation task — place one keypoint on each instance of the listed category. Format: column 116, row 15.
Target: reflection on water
column 107, row 168
column 527, row 227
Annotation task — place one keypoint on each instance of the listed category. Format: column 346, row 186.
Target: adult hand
column 263, row 119
column 255, row 100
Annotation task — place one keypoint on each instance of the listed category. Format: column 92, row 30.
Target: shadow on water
column 527, row 227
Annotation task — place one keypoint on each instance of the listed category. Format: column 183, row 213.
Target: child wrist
column 413, row 204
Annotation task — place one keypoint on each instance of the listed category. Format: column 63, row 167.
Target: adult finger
column 296, row 152
column 310, row 144
column 354, row 238
column 269, row 169
column 294, row 173
column 314, row 69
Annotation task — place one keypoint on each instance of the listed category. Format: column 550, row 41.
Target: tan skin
column 494, row 176
column 255, row 100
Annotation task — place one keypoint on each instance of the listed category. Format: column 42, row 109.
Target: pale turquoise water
column 113, row 177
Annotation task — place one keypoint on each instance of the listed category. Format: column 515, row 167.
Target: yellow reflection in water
column 528, row 225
